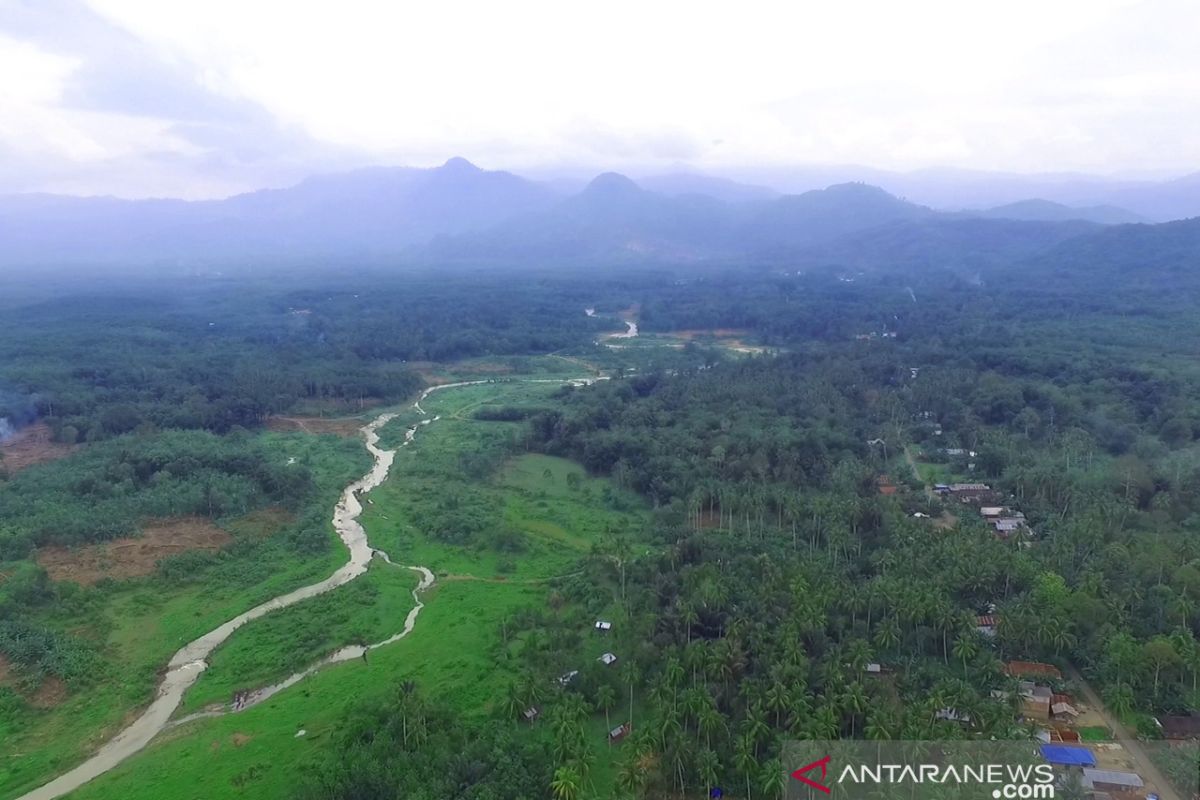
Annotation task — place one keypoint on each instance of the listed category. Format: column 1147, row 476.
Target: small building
column 886, row 487
column 567, row 677
column 986, row 624
column 1179, row 727
column 973, row 493
column 603, row 626
column 941, row 488
column 620, row 732
column 1063, row 735
column 607, row 659
column 1035, row 700
column 1037, row 708
column 953, row 715
column 1064, row 712
column 531, row 714
column 1106, row 780
column 991, row 511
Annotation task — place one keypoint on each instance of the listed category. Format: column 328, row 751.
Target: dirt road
column 1145, row 766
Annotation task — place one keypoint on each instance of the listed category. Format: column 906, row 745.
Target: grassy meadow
column 501, row 529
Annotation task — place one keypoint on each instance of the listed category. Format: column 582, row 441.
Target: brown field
column 131, row 557
column 717, row 333
column 262, row 523
column 49, row 693
column 338, row 426
column 729, row 338
column 32, row 445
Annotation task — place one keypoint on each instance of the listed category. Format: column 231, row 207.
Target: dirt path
column 1145, row 766
column 946, row 520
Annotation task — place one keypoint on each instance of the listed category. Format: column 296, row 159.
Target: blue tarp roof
column 1068, row 755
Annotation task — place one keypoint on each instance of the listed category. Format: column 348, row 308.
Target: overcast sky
column 146, row 97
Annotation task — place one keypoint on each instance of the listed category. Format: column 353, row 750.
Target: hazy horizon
column 135, row 99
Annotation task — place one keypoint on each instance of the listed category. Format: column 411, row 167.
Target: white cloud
column 262, row 91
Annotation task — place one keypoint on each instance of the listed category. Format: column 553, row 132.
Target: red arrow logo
column 800, row 776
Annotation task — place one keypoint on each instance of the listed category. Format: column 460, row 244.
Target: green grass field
column 138, row 624
column 531, row 518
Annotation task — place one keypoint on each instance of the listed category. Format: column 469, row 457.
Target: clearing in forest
column 131, row 556
column 32, row 445
column 338, row 426
column 48, row 693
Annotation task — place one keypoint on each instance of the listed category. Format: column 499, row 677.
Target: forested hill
column 361, row 213
column 458, row 214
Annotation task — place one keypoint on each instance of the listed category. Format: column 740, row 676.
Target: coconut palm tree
column 745, row 759
column 771, row 779
column 567, row 783
column 966, row 647
column 606, row 698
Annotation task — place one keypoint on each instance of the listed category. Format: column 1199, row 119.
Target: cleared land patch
column 131, row 557
column 32, row 445
column 49, row 692
column 337, row 426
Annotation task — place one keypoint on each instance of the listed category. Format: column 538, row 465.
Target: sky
column 138, row 98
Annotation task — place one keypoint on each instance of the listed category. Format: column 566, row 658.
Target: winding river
column 185, row 666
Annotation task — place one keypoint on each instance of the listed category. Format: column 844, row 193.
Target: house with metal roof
column 1106, row 780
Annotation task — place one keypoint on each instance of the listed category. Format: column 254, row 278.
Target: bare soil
column 345, row 427
column 131, row 557
column 32, row 445
column 716, row 333
column 49, row 693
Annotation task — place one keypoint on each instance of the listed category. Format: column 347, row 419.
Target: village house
column 1006, row 526
column 1179, row 726
column 1105, row 780
column 607, row 659
column 603, row 626
column 620, row 732
column 985, row 625
column 973, row 493
column 531, row 714
column 953, row 715
column 1035, row 700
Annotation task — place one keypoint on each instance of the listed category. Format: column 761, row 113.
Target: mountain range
column 459, row 212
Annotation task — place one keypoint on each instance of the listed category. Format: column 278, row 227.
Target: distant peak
column 460, row 165
column 612, row 182
column 858, row 188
